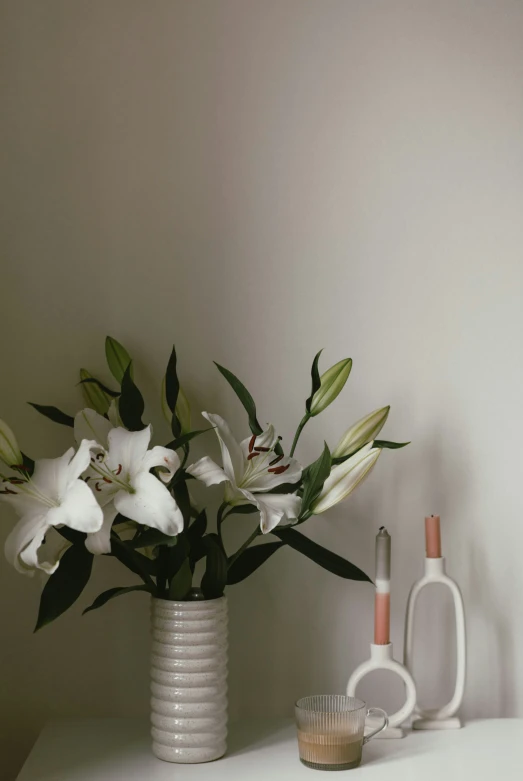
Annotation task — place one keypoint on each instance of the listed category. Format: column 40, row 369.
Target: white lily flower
column 361, row 432
column 345, row 477
column 53, row 496
column 122, row 482
column 250, row 470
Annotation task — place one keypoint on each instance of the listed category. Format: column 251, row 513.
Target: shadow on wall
column 296, row 614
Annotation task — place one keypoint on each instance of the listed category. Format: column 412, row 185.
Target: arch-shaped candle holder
column 444, row 717
column 381, row 658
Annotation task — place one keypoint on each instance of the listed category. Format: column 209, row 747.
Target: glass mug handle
column 380, row 728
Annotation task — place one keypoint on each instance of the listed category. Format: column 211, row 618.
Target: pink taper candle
column 382, row 598
column 432, row 537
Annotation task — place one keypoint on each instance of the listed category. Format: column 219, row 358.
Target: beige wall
column 256, row 180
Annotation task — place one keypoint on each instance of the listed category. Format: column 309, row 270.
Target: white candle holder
column 444, row 717
column 381, row 659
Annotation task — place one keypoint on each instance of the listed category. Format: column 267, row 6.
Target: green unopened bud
column 332, row 383
column 9, row 451
column 362, row 432
column 182, row 409
column 168, row 415
column 94, row 395
column 345, row 478
column 118, row 359
column 113, row 414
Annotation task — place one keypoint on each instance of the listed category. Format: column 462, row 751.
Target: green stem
column 246, row 544
column 185, row 456
column 300, row 428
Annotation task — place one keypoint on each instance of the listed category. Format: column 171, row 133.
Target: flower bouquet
column 115, row 495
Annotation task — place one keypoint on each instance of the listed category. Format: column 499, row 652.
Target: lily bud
column 345, row 477
column 114, row 415
column 332, row 383
column 365, row 430
column 94, row 395
column 9, row 451
column 182, row 409
column 118, row 359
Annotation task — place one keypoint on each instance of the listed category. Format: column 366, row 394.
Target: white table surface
column 118, row 750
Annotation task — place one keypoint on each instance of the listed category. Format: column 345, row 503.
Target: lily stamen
column 251, row 443
column 263, row 449
column 279, row 470
column 252, row 455
column 275, row 460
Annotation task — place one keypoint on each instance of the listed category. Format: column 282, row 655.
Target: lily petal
column 79, row 510
column 127, row 449
column 81, row 459
column 207, row 471
column 88, row 424
column 267, row 438
column 163, row 457
column 22, row 543
column 274, row 508
column 51, row 475
column 232, row 456
column 100, row 542
column 150, row 504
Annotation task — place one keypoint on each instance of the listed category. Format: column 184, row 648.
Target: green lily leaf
column 385, row 445
column 185, row 438
column 181, row 495
column 250, row 560
column 118, row 359
column 244, row 396
column 131, row 404
column 150, row 538
column 27, row 465
column 88, row 381
column 172, row 384
column 177, row 555
column 316, row 381
column 320, row 555
column 71, row 535
column 130, row 558
column 172, row 389
column 314, row 477
column 65, row 585
column 111, row 593
column 197, row 528
column 181, row 582
column 215, row 577
column 243, row 509
column 54, row 414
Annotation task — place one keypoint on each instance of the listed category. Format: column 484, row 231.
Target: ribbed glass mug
column 331, row 730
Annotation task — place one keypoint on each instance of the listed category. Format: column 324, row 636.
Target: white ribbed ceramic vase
column 189, row 680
